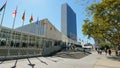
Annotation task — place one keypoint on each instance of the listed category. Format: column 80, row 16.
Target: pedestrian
column 67, row 46
column 109, row 51
column 116, row 53
column 100, row 51
column 106, row 51
column 96, row 49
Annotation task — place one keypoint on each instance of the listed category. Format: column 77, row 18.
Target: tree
column 106, row 22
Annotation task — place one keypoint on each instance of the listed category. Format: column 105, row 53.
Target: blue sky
column 50, row 9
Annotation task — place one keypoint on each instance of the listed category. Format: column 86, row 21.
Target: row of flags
column 31, row 20
column 15, row 12
column 23, row 16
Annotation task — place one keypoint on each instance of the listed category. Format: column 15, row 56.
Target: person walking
column 116, row 52
column 106, row 51
column 100, row 51
column 109, row 51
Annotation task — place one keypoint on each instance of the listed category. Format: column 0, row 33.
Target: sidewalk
column 106, row 61
column 92, row 61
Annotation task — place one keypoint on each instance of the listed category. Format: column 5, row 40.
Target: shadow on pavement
column 114, row 58
column 2, row 62
column 30, row 64
column 51, row 59
column 41, row 61
column 14, row 64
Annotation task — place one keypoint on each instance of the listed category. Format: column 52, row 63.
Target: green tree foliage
column 106, row 21
column 104, row 45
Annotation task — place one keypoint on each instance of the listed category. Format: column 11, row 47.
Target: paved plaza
column 91, row 61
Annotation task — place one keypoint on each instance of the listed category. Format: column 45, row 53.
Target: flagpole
column 12, row 31
column 21, row 37
column 2, row 21
column 21, row 29
column 3, row 16
column 35, row 34
column 13, row 25
column 37, row 26
column 31, row 20
column 28, row 38
column 36, row 31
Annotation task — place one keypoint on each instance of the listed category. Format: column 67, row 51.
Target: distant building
column 42, row 28
column 45, row 29
column 68, row 22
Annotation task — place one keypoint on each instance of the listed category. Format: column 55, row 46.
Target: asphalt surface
column 71, row 54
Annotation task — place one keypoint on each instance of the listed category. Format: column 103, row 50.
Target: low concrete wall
column 50, row 50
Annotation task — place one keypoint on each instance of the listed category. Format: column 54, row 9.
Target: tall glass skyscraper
column 68, row 22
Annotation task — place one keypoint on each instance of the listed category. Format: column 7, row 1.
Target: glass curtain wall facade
column 68, row 22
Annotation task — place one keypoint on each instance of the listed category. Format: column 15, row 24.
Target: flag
column 14, row 13
column 23, row 17
column 43, row 23
column 31, row 19
column 50, row 27
column 37, row 21
column 3, row 7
